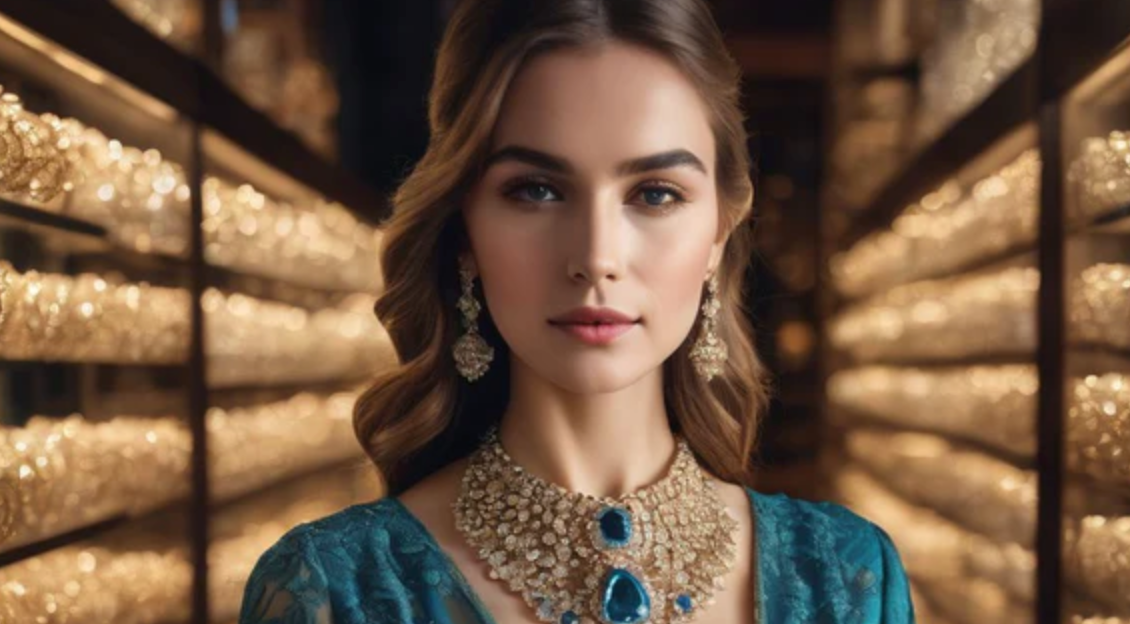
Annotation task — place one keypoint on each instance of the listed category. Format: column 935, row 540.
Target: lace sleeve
column 894, row 606
column 287, row 586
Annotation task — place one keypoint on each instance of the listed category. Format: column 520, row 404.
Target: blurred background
column 190, row 200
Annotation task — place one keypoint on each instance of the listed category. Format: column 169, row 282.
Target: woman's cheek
column 515, row 279
column 677, row 256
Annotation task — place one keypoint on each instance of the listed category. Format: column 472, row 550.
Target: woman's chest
column 735, row 603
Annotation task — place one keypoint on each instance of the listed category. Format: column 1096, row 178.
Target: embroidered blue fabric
column 375, row 563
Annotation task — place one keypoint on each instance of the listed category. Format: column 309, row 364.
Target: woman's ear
column 715, row 257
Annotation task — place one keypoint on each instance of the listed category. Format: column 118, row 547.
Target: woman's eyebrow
column 663, row 160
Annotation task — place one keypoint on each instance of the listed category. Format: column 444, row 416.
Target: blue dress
column 375, row 563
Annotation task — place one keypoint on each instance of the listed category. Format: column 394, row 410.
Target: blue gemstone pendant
column 614, row 527
column 623, row 599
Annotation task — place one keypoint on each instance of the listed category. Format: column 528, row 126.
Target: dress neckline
column 485, row 615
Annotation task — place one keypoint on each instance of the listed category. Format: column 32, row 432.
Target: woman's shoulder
column 823, row 529
column 824, row 549
column 375, row 528
column 365, row 560
column 375, row 513
column 825, row 518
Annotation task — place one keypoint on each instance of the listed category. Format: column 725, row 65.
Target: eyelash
column 652, row 185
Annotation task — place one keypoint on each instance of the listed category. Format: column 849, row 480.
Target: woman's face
column 562, row 219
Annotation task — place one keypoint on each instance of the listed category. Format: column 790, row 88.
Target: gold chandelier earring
column 472, row 353
column 709, row 352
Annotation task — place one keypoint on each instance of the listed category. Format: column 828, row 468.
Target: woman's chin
column 589, row 377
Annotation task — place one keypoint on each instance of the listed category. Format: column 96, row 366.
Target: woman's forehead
column 604, row 105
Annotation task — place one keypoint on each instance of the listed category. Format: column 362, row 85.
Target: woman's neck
column 604, row 445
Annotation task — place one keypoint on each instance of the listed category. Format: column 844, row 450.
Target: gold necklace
column 655, row 555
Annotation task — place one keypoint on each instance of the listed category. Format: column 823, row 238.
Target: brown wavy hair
column 420, row 414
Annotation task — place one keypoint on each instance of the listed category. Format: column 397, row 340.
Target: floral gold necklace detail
column 655, row 555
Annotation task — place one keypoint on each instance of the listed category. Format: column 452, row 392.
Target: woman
column 570, row 443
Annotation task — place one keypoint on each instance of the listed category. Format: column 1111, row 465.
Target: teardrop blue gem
column 624, row 599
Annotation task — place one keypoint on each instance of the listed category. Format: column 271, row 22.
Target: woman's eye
column 653, row 196
column 657, row 196
column 533, row 192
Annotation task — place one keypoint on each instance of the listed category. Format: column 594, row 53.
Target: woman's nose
column 594, row 242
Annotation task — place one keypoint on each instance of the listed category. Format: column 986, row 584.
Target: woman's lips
column 595, row 334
